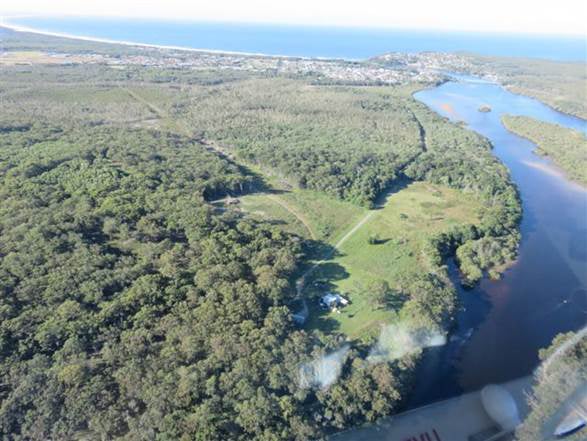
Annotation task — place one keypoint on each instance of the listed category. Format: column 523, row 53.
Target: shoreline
column 468, row 373
column 25, row 29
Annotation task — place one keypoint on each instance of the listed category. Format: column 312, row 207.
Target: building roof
column 332, row 298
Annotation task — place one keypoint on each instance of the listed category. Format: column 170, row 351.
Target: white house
column 332, row 300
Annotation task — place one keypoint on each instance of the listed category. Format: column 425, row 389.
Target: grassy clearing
column 327, row 218
column 402, row 226
column 408, row 218
column 260, row 206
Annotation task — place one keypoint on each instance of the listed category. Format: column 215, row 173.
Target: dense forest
column 132, row 308
column 349, row 143
column 566, row 147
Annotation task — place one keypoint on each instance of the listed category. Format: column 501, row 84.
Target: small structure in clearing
column 333, row 301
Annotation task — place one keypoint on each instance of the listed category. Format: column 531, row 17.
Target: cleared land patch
column 329, row 219
column 401, row 229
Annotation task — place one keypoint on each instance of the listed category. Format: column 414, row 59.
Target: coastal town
column 389, row 69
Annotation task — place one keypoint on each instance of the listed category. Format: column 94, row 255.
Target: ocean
column 306, row 41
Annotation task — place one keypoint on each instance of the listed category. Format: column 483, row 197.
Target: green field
column 327, row 219
column 266, row 207
column 408, row 218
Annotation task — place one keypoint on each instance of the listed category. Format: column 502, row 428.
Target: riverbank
column 560, row 85
column 544, row 293
column 566, row 147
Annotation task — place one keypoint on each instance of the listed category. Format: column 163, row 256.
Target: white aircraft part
column 500, row 406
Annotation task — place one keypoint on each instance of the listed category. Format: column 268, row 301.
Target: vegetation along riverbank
column 566, row 147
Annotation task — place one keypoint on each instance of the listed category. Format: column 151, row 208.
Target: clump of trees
column 380, row 293
column 374, row 239
column 490, row 254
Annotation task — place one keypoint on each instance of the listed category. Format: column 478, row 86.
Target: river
column 504, row 323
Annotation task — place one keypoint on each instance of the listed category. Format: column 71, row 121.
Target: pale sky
column 527, row 16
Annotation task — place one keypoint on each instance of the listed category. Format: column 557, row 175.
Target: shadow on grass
column 319, row 319
column 380, row 241
column 395, row 187
column 395, row 300
column 319, row 250
column 330, row 272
